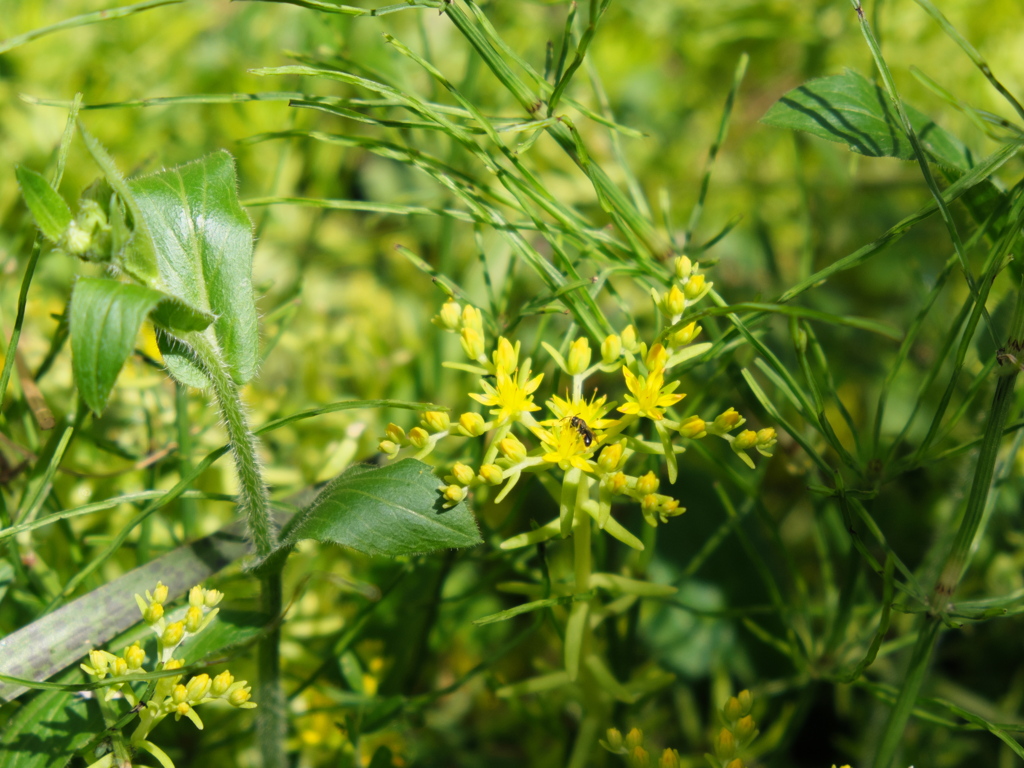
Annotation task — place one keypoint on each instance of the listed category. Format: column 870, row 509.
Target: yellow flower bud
column 648, row 483
column 134, row 656
column 100, row 661
column 454, row 493
column 611, row 457
column 733, row 710
column 638, row 758
column 198, row 688
column 727, row 421
column 195, row 596
column 685, row 335
column 240, row 696
column 669, row 759
column 388, row 447
column 173, row 633
column 673, row 302
column 725, row 745
column 449, row 315
column 579, row 357
column 512, row 449
column 649, row 504
column 766, row 440
column 153, row 613
column 684, row 267
column 472, row 343
column 471, row 318
column 746, row 700
column 472, row 424
column 635, row 738
column 617, row 483
column 613, row 738
column 193, row 619
column 670, row 508
column 506, row 357
column 118, row 667
column 745, row 728
column 419, row 437
column 491, row 474
column 737, row 763
column 182, row 709
column 629, row 340
column 221, row 683
column 693, row 427
column 611, row 348
column 436, row 421
column 211, row 597
column 695, row 287
column 744, row 440
column 656, row 358
column 394, row 433
column 160, row 593
column 174, row 664
column 179, row 694
column 463, row 473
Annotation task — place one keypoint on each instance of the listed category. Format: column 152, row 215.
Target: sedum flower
column 649, row 394
column 436, row 421
column 449, row 318
column 506, row 356
column 566, row 447
column 510, row 395
column 611, row 348
column 693, row 427
column 579, row 357
column 472, row 424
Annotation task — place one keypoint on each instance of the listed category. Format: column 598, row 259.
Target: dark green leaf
column 202, row 241
column 48, row 208
column 393, row 510
column 105, row 319
column 48, row 729
column 851, row 110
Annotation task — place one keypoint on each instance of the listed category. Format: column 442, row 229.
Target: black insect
column 581, row 426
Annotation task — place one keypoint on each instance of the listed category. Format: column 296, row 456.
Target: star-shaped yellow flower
column 566, row 447
column 592, row 411
column 511, row 395
column 650, row 394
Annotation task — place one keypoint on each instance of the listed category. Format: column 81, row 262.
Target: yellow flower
column 509, row 395
column 650, row 394
column 566, row 447
column 592, row 411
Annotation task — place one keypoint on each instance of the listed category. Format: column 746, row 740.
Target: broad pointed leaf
column 48, row 208
column 851, row 110
column 393, row 510
column 202, row 240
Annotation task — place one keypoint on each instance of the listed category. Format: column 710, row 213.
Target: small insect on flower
column 584, row 431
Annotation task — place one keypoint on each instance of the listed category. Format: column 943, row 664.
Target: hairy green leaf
column 48, row 208
column 391, row 510
column 851, row 110
column 203, row 245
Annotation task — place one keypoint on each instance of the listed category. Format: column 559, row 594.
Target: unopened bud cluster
column 631, row 748
column 737, row 732
column 170, row 696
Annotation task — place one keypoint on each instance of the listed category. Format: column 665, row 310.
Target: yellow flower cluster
column 580, row 439
column 169, row 695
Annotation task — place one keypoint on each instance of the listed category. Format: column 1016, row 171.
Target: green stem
column 255, row 506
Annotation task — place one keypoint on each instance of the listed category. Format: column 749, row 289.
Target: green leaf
column 851, row 110
column 229, row 629
column 48, row 208
column 105, row 319
column 391, row 510
column 48, row 729
column 203, row 245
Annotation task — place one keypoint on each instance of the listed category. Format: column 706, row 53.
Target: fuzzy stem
column 255, row 506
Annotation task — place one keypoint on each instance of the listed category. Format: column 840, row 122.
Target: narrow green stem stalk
column 255, row 506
